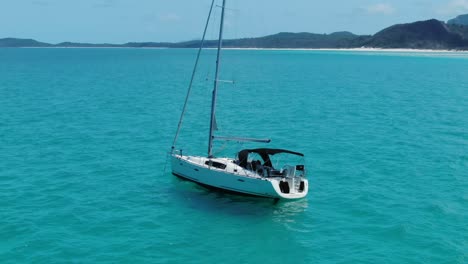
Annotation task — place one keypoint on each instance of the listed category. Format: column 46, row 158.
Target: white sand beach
column 361, row 49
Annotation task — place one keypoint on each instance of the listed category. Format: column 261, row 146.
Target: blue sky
column 119, row 21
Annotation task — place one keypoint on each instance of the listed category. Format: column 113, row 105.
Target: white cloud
column 454, row 7
column 382, row 8
column 169, row 17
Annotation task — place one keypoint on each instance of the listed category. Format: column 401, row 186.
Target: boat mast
column 215, row 89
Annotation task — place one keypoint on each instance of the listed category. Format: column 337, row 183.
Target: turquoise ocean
column 84, row 137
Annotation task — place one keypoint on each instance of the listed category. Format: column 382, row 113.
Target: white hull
column 234, row 178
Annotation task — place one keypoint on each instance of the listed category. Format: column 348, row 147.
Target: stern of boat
column 293, row 184
column 291, row 188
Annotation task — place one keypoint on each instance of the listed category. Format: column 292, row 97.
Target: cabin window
column 300, row 167
column 215, row 164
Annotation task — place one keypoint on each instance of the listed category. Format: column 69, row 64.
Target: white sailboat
column 253, row 171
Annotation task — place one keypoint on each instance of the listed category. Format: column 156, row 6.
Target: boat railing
column 177, row 152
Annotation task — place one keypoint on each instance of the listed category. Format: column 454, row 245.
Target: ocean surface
column 84, row 137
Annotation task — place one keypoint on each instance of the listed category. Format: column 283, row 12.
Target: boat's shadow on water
column 192, row 195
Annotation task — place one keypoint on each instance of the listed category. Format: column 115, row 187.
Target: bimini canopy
column 265, row 153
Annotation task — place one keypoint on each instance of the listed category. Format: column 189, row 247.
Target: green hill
column 148, row 45
column 459, row 20
column 430, row 34
column 284, row 40
column 21, row 43
column 459, row 29
column 297, row 40
column 280, row 40
column 84, row 45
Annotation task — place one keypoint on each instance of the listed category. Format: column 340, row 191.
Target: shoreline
column 278, row 49
column 359, row 50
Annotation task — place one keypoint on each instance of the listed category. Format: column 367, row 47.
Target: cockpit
column 262, row 162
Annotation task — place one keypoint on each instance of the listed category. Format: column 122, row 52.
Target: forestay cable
column 193, row 77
